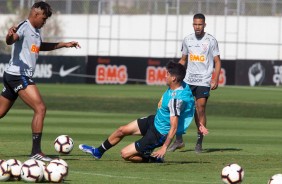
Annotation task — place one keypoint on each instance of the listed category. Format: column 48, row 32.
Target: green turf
column 244, row 123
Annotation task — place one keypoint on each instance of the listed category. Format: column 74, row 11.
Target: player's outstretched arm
column 46, row 46
column 12, row 36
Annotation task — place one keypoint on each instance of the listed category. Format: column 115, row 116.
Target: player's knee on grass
column 124, row 154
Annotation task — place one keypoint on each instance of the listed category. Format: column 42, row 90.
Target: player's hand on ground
column 72, row 44
column 160, row 153
column 203, row 130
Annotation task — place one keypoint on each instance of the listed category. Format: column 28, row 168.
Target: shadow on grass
column 210, row 150
column 51, row 156
column 185, row 162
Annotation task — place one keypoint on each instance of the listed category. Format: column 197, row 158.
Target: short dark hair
column 199, row 16
column 43, row 6
column 177, row 70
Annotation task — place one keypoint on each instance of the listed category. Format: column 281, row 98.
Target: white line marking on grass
column 132, row 177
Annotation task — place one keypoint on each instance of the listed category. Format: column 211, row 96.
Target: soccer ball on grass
column 5, row 170
column 55, row 172
column 63, row 144
column 15, row 166
column 31, row 171
column 64, row 163
column 232, row 174
column 275, row 179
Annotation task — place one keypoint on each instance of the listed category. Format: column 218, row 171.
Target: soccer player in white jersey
column 26, row 43
column 200, row 52
column 174, row 115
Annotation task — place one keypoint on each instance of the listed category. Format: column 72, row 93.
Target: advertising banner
column 54, row 69
column 126, row 70
column 258, row 73
column 139, row 70
column 150, row 71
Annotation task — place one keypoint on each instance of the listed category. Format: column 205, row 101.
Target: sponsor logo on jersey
column 111, row 74
column 156, row 75
column 16, row 89
column 34, row 49
column 197, row 58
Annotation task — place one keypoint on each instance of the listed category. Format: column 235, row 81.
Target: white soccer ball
column 5, row 170
column 63, row 144
column 31, row 171
column 55, row 172
column 232, row 174
column 15, row 166
column 275, row 179
column 61, row 161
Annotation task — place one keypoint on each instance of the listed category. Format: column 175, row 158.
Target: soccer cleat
column 91, row 150
column 41, row 156
column 198, row 148
column 176, row 145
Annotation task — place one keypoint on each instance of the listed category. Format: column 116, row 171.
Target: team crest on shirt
column 205, row 46
column 173, row 93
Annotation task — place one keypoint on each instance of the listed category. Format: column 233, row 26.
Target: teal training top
column 178, row 102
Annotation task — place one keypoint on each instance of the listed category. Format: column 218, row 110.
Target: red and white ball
column 15, row 166
column 5, row 170
column 55, row 172
column 31, row 171
column 61, row 161
column 63, row 144
column 275, row 179
column 232, row 174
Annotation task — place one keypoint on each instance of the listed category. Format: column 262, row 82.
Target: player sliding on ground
column 174, row 115
column 27, row 42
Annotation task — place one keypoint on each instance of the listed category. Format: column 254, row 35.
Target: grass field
column 245, row 127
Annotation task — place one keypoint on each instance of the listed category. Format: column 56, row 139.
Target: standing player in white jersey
column 17, row 79
column 201, row 51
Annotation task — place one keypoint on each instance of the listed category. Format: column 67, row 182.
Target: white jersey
column 201, row 53
column 25, row 51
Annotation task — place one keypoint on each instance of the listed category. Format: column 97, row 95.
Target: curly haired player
column 26, row 43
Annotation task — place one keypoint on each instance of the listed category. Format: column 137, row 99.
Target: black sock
column 200, row 138
column 36, row 143
column 105, row 146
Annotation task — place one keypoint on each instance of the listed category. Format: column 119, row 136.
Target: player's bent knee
column 121, row 131
column 124, row 155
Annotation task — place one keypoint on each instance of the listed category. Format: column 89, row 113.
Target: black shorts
column 200, row 91
column 151, row 137
column 14, row 83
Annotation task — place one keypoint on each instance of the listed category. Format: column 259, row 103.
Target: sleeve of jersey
column 21, row 29
column 184, row 49
column 175, row 107
column 215, row 49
